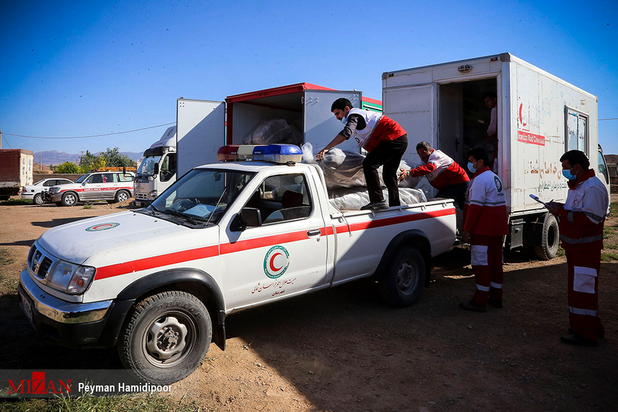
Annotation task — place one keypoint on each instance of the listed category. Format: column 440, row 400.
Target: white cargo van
column 539, row 118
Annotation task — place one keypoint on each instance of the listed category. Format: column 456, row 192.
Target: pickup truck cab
column 159, row 282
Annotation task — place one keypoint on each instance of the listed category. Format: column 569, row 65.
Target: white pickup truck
column 159, row 282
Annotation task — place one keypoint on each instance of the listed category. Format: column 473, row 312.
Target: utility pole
column 0, row 139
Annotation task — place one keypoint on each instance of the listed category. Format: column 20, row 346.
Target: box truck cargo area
column 539, row 117
column 296, row 114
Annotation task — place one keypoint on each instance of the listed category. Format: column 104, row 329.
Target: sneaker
column 472, row 307
column 375, row 206
column 496, row 303
column 575, row 339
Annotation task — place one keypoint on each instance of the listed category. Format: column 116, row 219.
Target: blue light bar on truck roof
column 275, row 153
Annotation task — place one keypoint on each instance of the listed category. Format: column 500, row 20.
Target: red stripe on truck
column 226, row 248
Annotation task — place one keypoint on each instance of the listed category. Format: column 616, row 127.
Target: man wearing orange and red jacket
column 582, row 217
column 384, row 139
column 485, row 225
column 442, row 172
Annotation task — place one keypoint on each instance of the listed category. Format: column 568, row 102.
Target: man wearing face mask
column 485, row 225
column 384, row 139
column 582, row 217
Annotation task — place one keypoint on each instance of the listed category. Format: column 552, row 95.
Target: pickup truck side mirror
column 156, row 169
column 248, row 217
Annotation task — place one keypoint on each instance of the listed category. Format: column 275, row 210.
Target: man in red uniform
column 582, row 217
column 442, row 172
column 384, row 139
column 485, row 225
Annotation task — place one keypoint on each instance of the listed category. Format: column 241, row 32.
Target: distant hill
column 55, row 158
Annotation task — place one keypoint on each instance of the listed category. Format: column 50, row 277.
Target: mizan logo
column 102, row 226
column 276, row 262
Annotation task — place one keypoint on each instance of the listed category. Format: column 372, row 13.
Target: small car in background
column 110, row 186
column 38, row 191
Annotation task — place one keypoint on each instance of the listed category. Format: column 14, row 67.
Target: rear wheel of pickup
column 402, row 283
column 166, row 338
column 69, row 199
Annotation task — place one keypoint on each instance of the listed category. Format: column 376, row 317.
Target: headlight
column 70, row 278
column 152, row 194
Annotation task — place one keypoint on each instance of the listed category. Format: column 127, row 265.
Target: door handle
column 314, row 232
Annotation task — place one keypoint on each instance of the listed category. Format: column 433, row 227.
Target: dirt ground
column 344, row 350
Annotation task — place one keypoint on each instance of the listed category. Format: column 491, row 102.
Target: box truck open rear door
column 200, row 132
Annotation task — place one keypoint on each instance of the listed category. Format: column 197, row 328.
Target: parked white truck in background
column 15, row 171
column 539, row 118
column 158, row 169
column 158, row 283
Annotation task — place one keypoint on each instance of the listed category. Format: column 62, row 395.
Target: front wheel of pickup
column 402, row 283
column 166, row 338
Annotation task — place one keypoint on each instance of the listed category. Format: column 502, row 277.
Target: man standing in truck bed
column 384, row 139
column 442, row 172
column 582, row 217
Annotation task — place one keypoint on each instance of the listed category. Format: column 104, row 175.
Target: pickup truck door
column 285, row 255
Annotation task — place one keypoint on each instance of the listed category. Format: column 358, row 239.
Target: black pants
column 457, row 192
column 387, row 154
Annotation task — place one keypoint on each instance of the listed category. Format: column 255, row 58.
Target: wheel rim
column 38, row 200
column 122, row 196
column 407, row 277
column 169, row 339
column 69, row 199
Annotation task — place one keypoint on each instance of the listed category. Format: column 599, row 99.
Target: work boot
column 473, row 307
column 496, row 303
column 575, row 339
column 375, row 206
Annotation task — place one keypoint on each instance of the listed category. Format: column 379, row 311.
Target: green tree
column 90, row 162
column 68, row 167
column 113, row 158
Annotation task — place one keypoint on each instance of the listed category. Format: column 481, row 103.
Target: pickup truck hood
column 119, row 238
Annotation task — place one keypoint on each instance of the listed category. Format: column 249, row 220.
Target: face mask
column 568, row 175
column 344, row 120
column 471, row 167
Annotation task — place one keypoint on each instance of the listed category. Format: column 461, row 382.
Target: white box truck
column 15, row 171
column 539, row 118
column 157, row 171
column 305, row 107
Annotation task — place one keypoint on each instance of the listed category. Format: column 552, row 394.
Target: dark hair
column 341, row 103
column 576, row 157
column 490, row 93
column 423, row 145
column 479, row 154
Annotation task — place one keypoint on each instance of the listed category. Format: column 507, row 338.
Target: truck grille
column 38, row 262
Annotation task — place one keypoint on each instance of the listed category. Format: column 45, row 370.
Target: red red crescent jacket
column 387, row 129
column 441, row 170
column 583, row 215
column 485, row 207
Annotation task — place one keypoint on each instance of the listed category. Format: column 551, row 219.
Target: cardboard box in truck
column 15, row 171
column 303, row 109
column 539, row 117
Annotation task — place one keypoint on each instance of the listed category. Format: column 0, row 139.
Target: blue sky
column 82, row 68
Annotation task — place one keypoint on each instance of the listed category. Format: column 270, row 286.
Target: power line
column 614, row 118
column 86, row 137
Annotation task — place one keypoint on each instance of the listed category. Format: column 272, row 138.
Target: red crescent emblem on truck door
column 276, row 269
column 272, row 262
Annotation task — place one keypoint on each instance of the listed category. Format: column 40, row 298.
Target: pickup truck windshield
column 202, row 194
